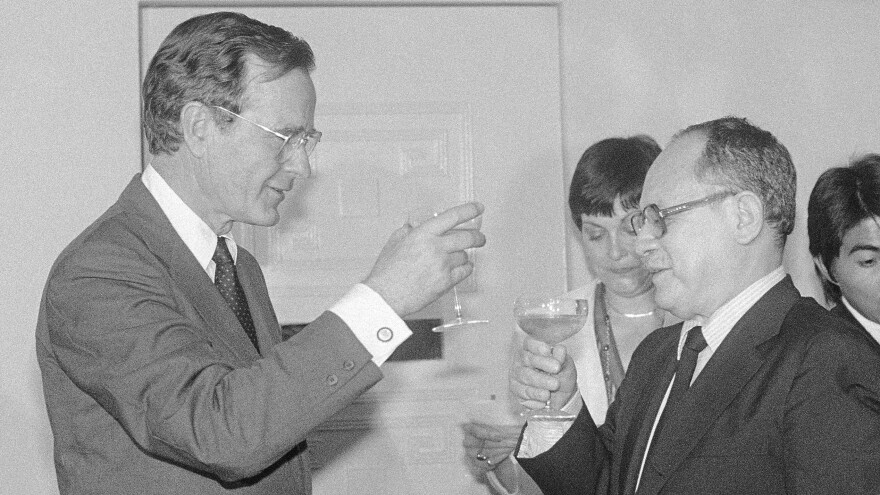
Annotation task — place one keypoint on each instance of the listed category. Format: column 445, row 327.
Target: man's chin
column 664, row 298
column 266, row 219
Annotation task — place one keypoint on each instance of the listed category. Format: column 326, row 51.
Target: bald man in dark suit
column 758, row 391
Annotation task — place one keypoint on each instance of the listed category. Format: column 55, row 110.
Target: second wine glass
column 459, row 321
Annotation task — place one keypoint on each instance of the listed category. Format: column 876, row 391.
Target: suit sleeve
column 831, row 425
column 123, row 334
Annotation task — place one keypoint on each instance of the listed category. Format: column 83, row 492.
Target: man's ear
column 823, row 270
column 748, row 216
column 196, row 123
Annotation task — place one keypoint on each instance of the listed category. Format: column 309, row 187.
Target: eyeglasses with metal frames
column 654, row 218
column 306, row 140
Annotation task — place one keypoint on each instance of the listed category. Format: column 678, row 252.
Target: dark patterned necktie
column 227, row 283
column 684, row 373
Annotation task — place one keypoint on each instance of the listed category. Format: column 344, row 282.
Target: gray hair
column 742, row 157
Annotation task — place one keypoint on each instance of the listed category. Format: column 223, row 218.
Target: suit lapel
column 147, row 219
column 649, row 395
column 732, row 365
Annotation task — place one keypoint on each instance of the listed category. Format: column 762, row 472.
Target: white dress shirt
column 373, row 322
column 539, row 437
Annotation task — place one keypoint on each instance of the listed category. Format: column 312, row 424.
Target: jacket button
column 332, row 380
column 348, row 365
column 384, row 334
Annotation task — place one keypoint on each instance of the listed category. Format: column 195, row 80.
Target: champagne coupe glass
column 460, row 321
column 551, row 320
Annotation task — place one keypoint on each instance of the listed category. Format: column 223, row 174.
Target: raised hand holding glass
column 551, row 320
column 416, row 217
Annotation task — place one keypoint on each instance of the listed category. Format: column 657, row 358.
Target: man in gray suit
column 163, row 366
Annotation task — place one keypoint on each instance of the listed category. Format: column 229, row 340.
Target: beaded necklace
column 609, row 355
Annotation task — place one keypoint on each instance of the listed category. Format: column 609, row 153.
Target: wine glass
column 551, row 320
column 460, row 321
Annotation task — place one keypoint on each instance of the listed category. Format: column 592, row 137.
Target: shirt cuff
column 541, row 436
column 372, row 321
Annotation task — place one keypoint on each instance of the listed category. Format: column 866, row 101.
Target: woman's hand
column 486, row 445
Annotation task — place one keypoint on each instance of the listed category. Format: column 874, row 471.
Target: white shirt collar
column 195, row 233
column 871, row 326
column 721, row 322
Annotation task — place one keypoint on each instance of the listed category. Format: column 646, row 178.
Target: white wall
column 69, row 128
column 69, row 141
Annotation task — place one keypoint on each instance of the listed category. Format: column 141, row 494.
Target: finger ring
column 489, row 462
column 480, row 455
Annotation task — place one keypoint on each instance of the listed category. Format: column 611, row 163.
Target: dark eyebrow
column 864, row 247
column 591, row 224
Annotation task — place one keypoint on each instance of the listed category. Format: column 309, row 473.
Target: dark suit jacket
column 841, row 311
column 789, row 403
column 150, row 382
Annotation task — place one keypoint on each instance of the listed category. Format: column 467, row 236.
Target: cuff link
column 384, row 334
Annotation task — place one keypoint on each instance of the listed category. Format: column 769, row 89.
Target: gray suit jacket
column 150, row 382
column 788, row 404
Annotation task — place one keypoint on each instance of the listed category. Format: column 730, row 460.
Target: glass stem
column 457, row 303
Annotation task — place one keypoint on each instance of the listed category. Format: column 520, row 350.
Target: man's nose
column 644, row 243
column 299, row 164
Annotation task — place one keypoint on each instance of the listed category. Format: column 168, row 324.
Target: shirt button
column 385, row 334
column 348, row 365
column 332, row 380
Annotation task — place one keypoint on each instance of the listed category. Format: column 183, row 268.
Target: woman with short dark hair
column 604, row 193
